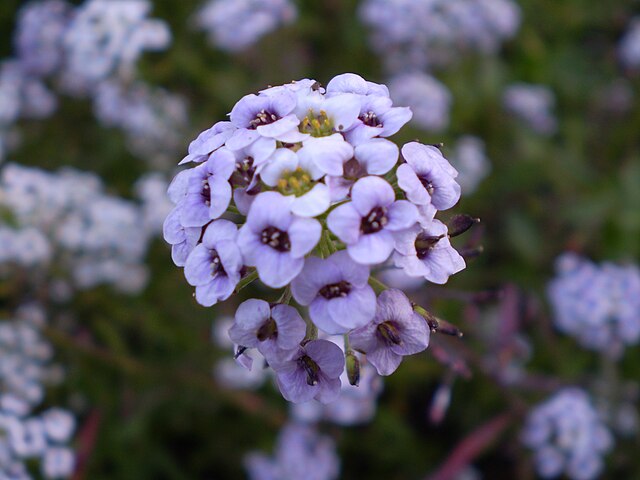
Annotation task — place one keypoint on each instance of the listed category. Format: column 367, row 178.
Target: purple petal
column 329, row 390
column 372, row 248
column 409, row 182
column 354, row 273
column 250, row 315
column 313, row 203
column 393, row 305
column 344, row 221
column 315, row 274
column 219, row 230
column 270, row 209
column 279, row 127
column 355, row 310
column 304, row 234
column 394, row 119
column 319, row 313
column 377, row 156
column 364, row 339
column 242, row 138
column 401, row 215
column 291, row 326
column 197, row 269
column 277, row 269
column 347, row 83
column 414, row 335
column 385, row 361
column 293, row 386
column 327, row 355
column 370, row 192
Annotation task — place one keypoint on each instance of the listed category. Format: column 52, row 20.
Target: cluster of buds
column 303, row 189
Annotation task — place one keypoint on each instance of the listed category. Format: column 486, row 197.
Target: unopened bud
column 461, row 223
column 472, row 252
column 353, row 368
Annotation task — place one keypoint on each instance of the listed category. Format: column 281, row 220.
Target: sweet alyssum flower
column 299, row 172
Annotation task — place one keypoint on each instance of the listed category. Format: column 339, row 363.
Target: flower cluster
column 567, row 436
column 533, row 105
column 597, row 304
column 25, row 435
column 91, row 50
column 301, row 452
column 152, row 119
column 629, row 47
column 314, row 195
column 470, row 159
column 234, row 25
column 454, row 26
column 429, row 99
column 67, row 219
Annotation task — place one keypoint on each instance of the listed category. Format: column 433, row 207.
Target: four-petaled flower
column 397, row 330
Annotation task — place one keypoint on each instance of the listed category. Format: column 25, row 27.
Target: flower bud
column 461, row 223
column 353, row 368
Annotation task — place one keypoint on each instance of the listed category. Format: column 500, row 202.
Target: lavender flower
column 290, row 154
column 313, row 372
column 567, row 436
column 105, row 39
column 395, row 331
column 427, row 177
column 455, row 27
column 336, row 291
column 234, row 25
column 629, row 47
column 39, row 33
column 533, row 105
column 366, row 223
column 275, row 331
column 275, row 241
column 427, row 253
column 470, row 159
column 597, row 304
column 208, row 191
column 429, row 100
column 213, row 266
column 300, row 453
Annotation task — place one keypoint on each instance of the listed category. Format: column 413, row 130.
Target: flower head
column 313, row 372
column 395, row 331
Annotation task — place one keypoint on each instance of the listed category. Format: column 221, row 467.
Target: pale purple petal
column 370, row 192
column 344, row 221
column 372, row 248
column 313, row 203
column 304, row 234
column 377, row 156
column 401, row 215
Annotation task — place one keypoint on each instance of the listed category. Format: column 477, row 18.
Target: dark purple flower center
column 311, row 368
column 353, row 169
column 375, row 220
column 389, row 333
column 263, row 117
column 276, row 239
column 206, row 192
column 268, row 330
column 370, row 119
column 424, row 244
column 244, row 172
column 334, row 290
column 427, row 184
column 216, row 264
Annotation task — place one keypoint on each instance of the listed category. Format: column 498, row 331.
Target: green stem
column 285, row 298
column 246, row 280
column 377, row 285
